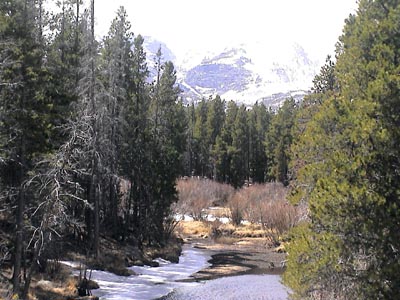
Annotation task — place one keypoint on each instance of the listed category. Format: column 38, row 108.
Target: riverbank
column 54, row 279
column 234, row 250
column 241, row 250
column 246, row 266
column 245, row 257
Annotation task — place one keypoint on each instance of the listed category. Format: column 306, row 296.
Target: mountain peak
column 244, row 73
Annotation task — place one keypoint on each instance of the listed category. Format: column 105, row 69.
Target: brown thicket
column 196, row 194
column 265, row 204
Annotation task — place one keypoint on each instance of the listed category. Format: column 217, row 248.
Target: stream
column 154, row 283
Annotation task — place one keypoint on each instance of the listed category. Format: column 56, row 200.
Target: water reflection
column 262, row 287
column 154, row 283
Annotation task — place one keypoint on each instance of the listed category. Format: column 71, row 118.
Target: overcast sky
column 214, row 24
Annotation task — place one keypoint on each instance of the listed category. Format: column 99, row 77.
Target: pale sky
column 186, row 25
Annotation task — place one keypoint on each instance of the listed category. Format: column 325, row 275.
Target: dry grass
column 55, row 290
column 229, row 227
column 246, row 232
column 222, row 233
column 193, row 229
column 63, row 286
column 219, row 236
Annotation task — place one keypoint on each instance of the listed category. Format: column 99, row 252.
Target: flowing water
column 254, row 287
column 153, row 283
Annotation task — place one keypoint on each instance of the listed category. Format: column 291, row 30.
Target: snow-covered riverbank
column 151, row 283
column 169, row 279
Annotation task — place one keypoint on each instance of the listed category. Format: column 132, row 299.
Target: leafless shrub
column 215, row 228
column 195, row 195
column 237, row 205
column 170, row 224
column 264, row 204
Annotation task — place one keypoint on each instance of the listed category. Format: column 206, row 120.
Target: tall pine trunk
column 16, row 280
column 19, row 241
column 94, row 183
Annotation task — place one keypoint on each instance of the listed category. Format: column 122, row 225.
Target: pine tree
column 223, row 147
column 115, row 71
column 90, row 98
column 200, row 135
column 214, row 125
column 168, row 144
column 239, row 149
column 326, row 80
column 82, row 151
column 25, row 109
column 350, row 175
column 63, row 64
column 136, row 147
column 278, row 142
column 259, row 122
column 215, row 118
column 190, row 155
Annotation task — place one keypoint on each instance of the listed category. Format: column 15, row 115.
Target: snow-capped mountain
column 243, row 73
column 151, row 46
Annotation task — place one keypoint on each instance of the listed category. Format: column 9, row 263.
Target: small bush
column 237, row 205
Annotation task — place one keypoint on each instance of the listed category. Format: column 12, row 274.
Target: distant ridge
column 241, row 74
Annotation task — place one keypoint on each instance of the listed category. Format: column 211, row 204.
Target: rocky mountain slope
column 243, row 73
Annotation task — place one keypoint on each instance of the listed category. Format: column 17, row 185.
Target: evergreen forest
column 92, row 144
